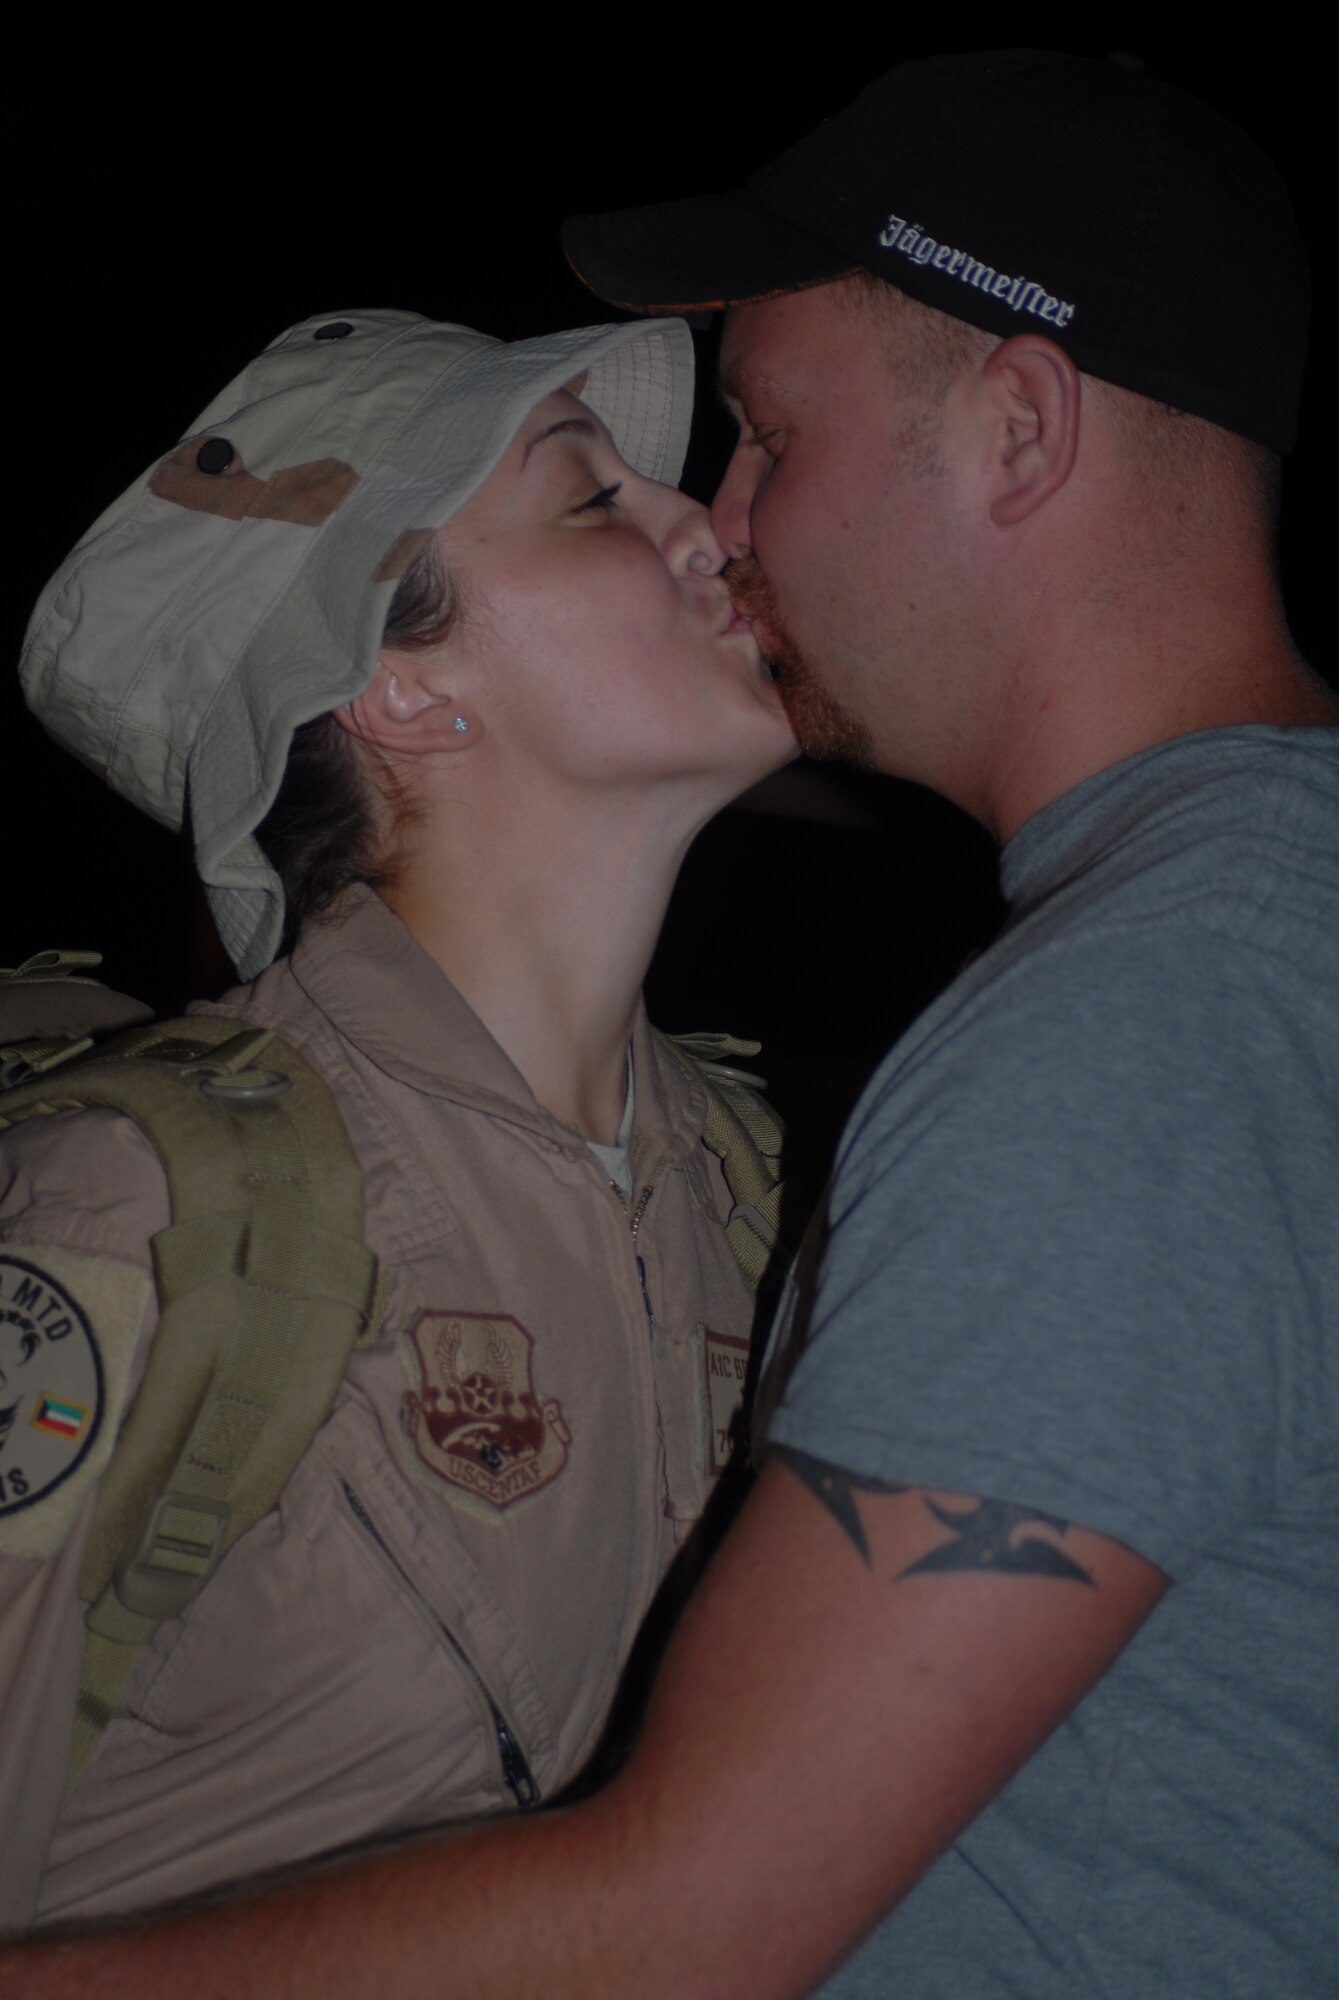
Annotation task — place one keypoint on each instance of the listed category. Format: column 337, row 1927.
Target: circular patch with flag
column 51, row 1386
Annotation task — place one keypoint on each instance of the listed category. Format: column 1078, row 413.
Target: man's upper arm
column 863, row 1669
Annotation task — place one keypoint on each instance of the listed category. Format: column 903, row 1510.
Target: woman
column 442, row 573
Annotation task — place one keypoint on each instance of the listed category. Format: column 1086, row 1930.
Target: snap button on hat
column 335, row 329
column 215, row 455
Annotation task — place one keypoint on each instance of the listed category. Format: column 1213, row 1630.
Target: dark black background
column 167, row 221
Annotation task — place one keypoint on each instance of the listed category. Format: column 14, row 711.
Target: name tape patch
column 725, row 1361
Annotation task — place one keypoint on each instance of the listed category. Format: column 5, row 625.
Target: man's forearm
column 861, row 1669
column 526, row 1906
column 366, row 1927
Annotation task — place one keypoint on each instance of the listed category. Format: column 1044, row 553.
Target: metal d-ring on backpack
column 265, row 1282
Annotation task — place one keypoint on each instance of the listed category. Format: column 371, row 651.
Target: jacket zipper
column 515, row 1770
column 637, row 1215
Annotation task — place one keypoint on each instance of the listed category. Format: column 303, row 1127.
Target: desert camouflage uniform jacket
column 431, row 1624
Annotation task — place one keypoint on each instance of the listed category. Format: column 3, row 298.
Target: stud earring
column 461, row 725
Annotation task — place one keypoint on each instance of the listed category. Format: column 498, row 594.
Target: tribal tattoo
column 987, row 1538
column 837, row 1488
column 986, row 1534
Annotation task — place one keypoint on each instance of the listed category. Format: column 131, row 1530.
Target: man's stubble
column 823, row 728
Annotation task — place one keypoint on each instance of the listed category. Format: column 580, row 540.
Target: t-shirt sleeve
column 81, row 1195
column 1077, row 1240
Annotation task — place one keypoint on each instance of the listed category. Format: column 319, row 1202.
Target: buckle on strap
column 176, row 1554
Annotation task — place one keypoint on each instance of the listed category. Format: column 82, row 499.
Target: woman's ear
column 405, row 711
column 1032, row 393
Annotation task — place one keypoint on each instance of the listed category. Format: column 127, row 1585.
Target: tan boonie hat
column 240, row 587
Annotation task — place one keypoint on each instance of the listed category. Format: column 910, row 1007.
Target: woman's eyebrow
column 581, row 426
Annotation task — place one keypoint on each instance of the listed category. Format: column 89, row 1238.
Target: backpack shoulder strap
column 265, row 1283
column 747, row 1136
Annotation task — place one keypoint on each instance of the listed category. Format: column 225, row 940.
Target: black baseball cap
column 1019, row 189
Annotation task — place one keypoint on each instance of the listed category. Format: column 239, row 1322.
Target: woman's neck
column 546, row 927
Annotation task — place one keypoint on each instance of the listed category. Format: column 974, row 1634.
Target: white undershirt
column 615, row 1159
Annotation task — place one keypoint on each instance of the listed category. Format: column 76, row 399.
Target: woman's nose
column 691, row 545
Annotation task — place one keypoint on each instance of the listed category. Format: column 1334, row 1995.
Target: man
column 1015, row 1666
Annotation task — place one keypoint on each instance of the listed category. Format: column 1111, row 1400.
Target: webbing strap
column 50, row 1000
column 104, row 1674
column 753, row 1227
column 44, row 965
column 264, row 1285
column 746, row 1136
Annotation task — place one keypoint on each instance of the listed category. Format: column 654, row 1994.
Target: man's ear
column 405, row 710
column 1033, row 393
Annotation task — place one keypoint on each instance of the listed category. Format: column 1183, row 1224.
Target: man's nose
column 730, row 509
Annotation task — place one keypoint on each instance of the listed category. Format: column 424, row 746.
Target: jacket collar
column 365, row 972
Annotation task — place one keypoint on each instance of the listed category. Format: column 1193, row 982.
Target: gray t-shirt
column 1084, row 1255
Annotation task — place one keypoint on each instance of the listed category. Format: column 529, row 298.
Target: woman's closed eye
column 601, row 502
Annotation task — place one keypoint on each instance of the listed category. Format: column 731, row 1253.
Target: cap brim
column 696, row 256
